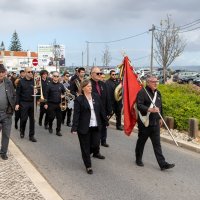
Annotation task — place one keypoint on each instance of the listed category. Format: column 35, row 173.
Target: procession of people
column 88, row 105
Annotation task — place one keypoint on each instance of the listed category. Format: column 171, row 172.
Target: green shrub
column 181, row 102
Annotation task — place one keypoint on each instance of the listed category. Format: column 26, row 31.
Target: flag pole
column 158, row 112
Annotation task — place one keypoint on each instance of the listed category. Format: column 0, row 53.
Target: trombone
column 38, row 86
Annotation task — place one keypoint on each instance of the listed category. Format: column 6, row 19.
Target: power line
column 197, row 28
column 112, row 41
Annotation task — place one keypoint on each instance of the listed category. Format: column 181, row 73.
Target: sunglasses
column 113, row 74
column 30, row 72
column 67, row 75
column 99, row 73
column 55, row 76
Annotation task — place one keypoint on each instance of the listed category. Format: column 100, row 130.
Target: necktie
column 98, row 88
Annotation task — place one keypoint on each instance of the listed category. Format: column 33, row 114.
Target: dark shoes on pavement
column 139, row 163
column 16, row 126
column 167, row 166
column 21, row 134
column 40, row 123
column 99, row 156
column 58, row 133
column 120, row 128
column 46, row 127
column 4, row 156
column 89, row 170
column 69, row 124
column 50, row 130
column 32, row 139
column 104, row 144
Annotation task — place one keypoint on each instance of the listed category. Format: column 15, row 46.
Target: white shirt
column 93, row 119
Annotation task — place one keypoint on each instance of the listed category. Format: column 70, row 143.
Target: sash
column 145, row 118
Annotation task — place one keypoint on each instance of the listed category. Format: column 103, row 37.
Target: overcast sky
column 73, row 22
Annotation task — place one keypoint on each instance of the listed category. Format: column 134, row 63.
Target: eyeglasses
column 2, row 71
column 99, row 73
column 67, row 75
column 30, row 72
column 55, row 76
column 113, row 74
column 154, row 81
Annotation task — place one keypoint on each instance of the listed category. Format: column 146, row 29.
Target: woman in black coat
column 89, row 115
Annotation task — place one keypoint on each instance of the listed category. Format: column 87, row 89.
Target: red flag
column 130, row 89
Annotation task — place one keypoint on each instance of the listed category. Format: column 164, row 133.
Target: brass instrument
column 66, row 99
column 118, row 92
column 38, row 86
column 78, row 85
column 118, row 89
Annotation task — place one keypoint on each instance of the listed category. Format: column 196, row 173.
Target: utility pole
column 87, row 54
column 151, row 65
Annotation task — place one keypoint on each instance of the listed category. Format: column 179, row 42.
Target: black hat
column 2, row 68
column 43, row 72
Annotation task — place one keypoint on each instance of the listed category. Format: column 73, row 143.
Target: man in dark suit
column 112, row 83
column 149, row 123
column 7, row 106
column 99, row 87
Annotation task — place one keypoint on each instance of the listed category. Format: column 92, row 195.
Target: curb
column 37, row 179
column 168, row 139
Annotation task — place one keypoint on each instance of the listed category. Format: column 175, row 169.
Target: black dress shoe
column 69, row 125
column 139, row 163
column 167, row 166
column 58, row 133
column 4, row 156
column 89, row 170
column 50, row 130
column 32, row 139
column 40, row 123
column 120, row 128
column 46, row 127
column 105, row 144
column 16, row 126
column 99, row 156
column 21, row 134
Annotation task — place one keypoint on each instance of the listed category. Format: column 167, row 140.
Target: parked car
column 181, row 75
column 188, row 79
column 197, row 81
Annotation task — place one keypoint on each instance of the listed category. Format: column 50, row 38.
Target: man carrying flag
column 149, row 122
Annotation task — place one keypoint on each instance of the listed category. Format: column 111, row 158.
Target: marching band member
column 25, row 102
column 45, row 81
column 100, row 88
column 55, row 91
column 75, row 85
column 17, row 112
column 68, row 111
column 88, row 117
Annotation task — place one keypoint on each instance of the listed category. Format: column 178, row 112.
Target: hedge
column 181, row 102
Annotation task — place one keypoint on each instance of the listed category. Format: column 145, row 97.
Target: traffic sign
column 35, row 62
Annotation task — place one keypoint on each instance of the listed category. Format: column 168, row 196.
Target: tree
column 169, row 45
column 106, row 58
column 2, row 47
column 15, row 43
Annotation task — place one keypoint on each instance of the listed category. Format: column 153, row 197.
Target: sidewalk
column 190, row 145
column 20, row 180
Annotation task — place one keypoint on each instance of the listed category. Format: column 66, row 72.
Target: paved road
column 115, row 178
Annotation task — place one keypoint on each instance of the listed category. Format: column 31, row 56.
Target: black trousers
column 54, row 111
column 42, row 112
column 69, row 113
column 103, row 133
column 27, row 111
column 117, row 109
column 17, row 116
column 154, row 133
column 89, row 143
